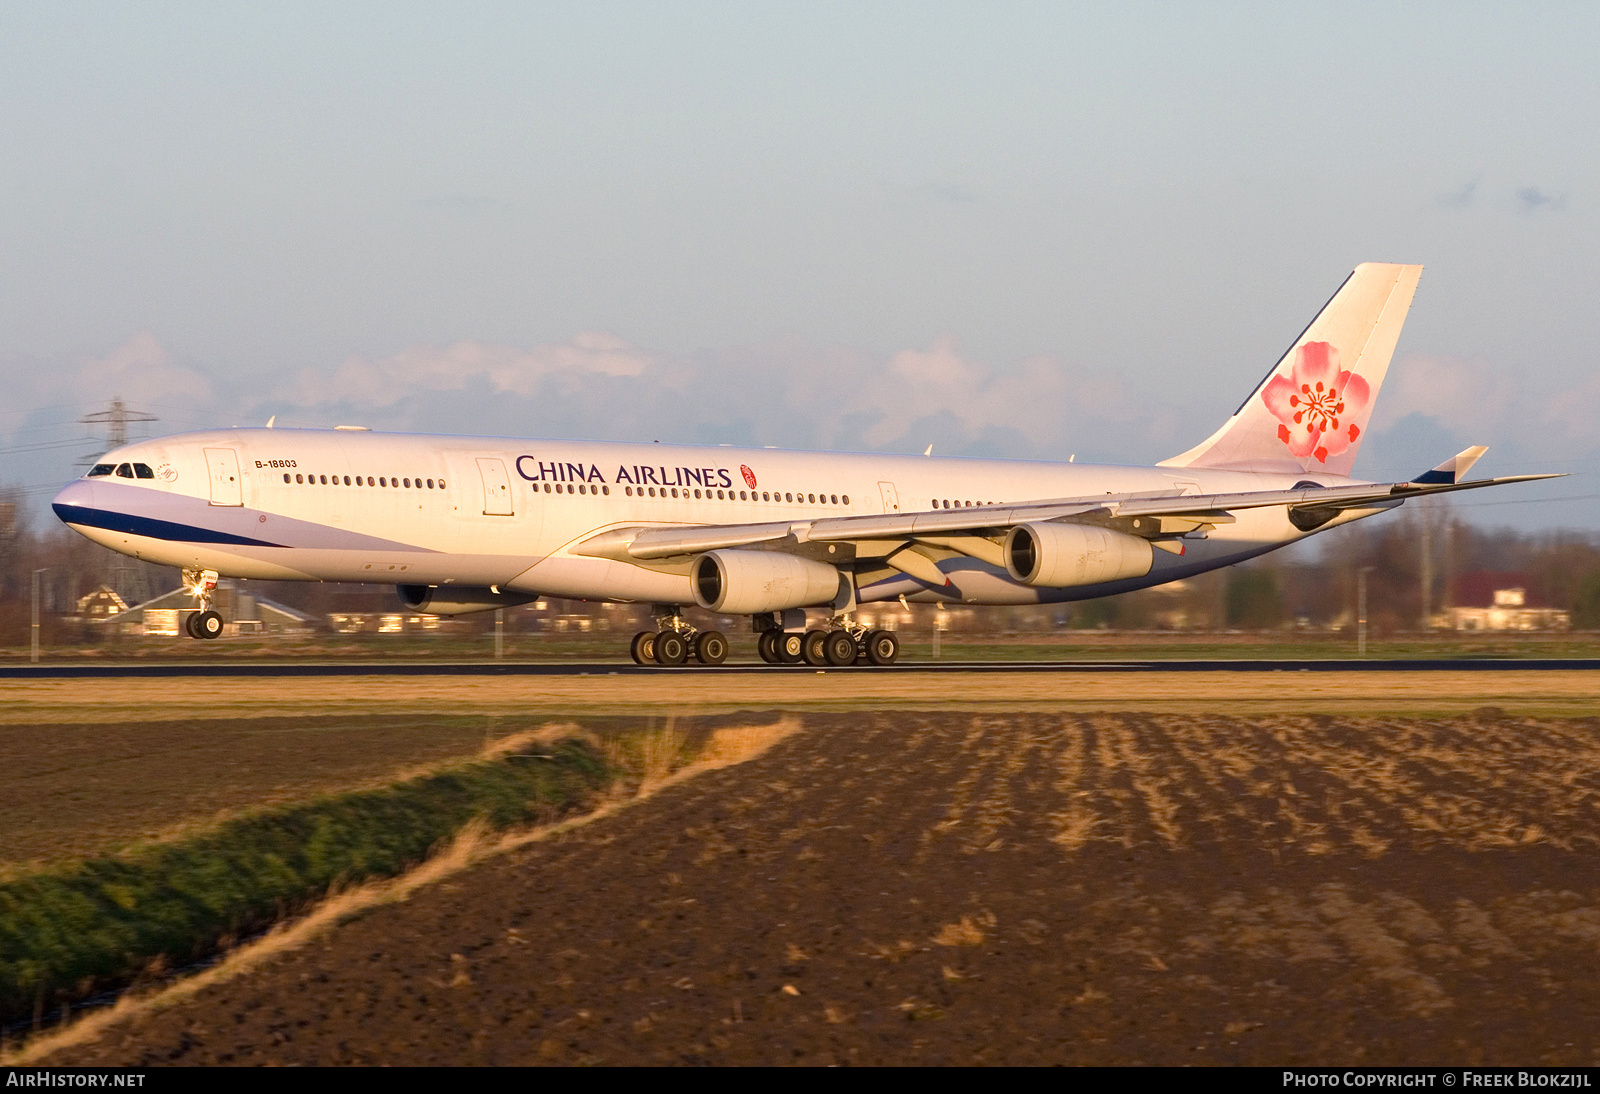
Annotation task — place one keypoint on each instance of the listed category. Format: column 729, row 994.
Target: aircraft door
column 891, row 497
column 222, row 466
column 496, row 487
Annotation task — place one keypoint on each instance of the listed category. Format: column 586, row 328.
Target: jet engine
column 747, row 582
column 451, row 600
column 1057, row 556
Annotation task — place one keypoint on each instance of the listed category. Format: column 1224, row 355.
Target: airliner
column 471, row 524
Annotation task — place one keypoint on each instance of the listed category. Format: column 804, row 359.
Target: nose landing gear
column 207, row 622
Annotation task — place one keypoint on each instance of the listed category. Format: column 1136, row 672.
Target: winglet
column 1455, row 468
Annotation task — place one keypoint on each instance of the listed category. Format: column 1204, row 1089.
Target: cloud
column 1458, row 199
column 1467, row 396
column 952, row 192
column 140, row 370
column 789, row 393
column 1532, row 199
column 459, row 203
column 505, row 369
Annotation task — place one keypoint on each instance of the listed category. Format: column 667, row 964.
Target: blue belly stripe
column 151, row 528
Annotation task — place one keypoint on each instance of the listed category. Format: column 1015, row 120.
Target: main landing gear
column 675, row 641
column 842, row 642
column 207, row 622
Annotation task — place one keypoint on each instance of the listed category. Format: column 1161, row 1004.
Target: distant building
column 1487, row 601
column 100, row 605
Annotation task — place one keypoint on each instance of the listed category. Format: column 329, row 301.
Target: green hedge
column 95, row 924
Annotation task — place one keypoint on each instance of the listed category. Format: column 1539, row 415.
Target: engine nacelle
column 1058, row 556
column 450, row 600
column 747, row 582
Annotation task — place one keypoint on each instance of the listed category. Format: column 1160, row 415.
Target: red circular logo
column 749, row 476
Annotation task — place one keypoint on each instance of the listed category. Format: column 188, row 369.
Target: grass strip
column 74, row 929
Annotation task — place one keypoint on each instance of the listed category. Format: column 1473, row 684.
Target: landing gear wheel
column 791, row 647
column 811, row 648
column 767, row 646
column 189, row 622
column 882, row 647
column 643, row 648
column 208, row 625
column 671, row 649
column 838, row 648
column 710, row 647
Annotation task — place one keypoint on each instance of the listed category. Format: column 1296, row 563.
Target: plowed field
column 1010, row 888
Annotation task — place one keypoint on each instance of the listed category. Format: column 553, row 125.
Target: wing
column 1171, row 514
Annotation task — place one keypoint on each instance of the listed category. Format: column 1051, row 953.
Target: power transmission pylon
column 116, row 422
column 126, row 575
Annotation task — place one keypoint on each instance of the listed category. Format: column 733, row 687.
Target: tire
column 839, row 649
column 791, row 647
column 882, row 647
column 711, row 647
column 767, row 646
column 643, row 648
column 189, row 624
column 811, row 648
column 671, row 649
column 208, row 625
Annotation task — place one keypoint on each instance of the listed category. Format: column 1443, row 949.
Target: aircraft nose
column 78, row 494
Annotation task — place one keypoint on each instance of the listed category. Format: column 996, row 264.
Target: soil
column 943, row 888
column 84, row 789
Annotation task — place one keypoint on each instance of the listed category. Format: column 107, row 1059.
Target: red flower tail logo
column 749, row 476
column 1317, row 405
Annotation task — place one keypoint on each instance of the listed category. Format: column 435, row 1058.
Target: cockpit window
column 124, row 471
column 143, row 471
column 101, row 469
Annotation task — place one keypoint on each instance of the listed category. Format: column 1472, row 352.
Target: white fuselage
column 506, row 513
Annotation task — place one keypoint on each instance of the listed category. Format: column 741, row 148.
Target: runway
column 612, row 668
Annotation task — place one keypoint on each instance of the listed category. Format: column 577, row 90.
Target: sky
column 1030, row 230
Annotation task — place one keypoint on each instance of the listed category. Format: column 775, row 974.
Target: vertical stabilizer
column 1311, row 411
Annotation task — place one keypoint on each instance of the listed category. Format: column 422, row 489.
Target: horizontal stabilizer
column 1455, row 468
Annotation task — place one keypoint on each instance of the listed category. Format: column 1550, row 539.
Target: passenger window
column 606, row 490
column 652, row 491
column 324, row 480
column 124, row 471
column 833, row 499
column 407, row 483
column 347, row 480
column 297, row 478
column 430, row 484
column 741, row 495
column 441, row 484
column 286, row 476
column 371, row 481
column 788, row 497
column 697, row 493
column 100, row 469
column 812, row 499
column 847, row 499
